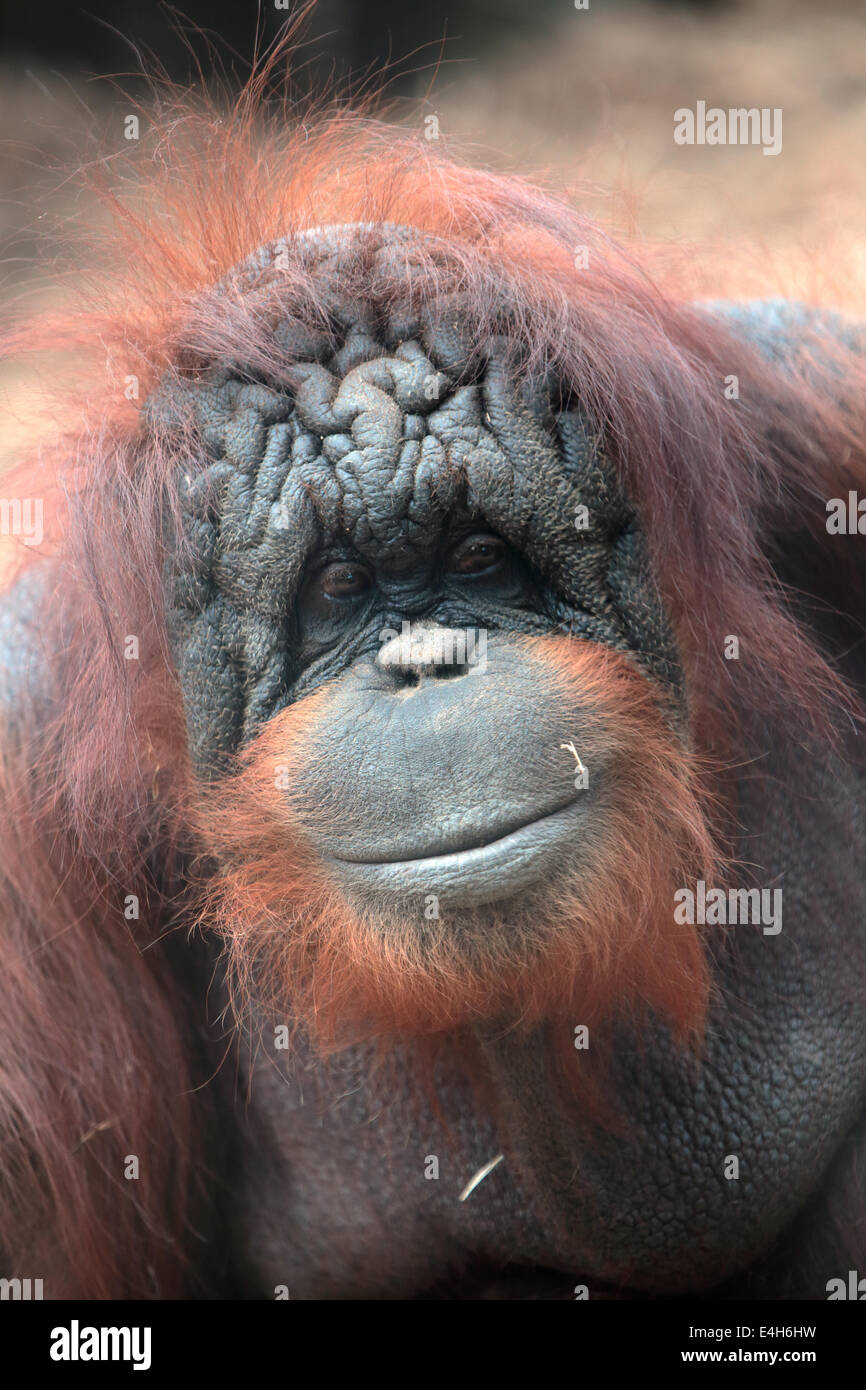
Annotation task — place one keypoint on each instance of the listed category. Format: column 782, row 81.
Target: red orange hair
column 96, row 1062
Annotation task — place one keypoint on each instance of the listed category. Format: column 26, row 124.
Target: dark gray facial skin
column 388, row 454
column 429, row 779
column 359, row 470
column 399, row 487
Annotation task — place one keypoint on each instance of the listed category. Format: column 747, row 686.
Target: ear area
column 24, row 664
column 787, row 332
column 809, row 413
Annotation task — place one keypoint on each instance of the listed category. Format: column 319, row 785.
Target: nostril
column 426, row 652
column 408, row 676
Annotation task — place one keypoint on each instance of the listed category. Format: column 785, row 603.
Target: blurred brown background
column 584, row 97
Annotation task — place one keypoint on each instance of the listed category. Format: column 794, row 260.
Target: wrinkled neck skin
column 336, row 1203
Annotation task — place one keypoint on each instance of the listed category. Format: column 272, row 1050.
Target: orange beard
column 575, row 950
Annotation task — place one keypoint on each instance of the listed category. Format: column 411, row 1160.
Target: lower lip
column 472, row 876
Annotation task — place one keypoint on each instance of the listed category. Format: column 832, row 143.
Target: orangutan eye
column 477, row 555
column 344, row 581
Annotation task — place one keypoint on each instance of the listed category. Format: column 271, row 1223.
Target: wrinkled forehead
column 391, row 420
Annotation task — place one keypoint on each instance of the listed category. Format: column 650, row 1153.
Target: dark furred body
column 781, row 1084
column 337, row 1206
column 357, row 869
